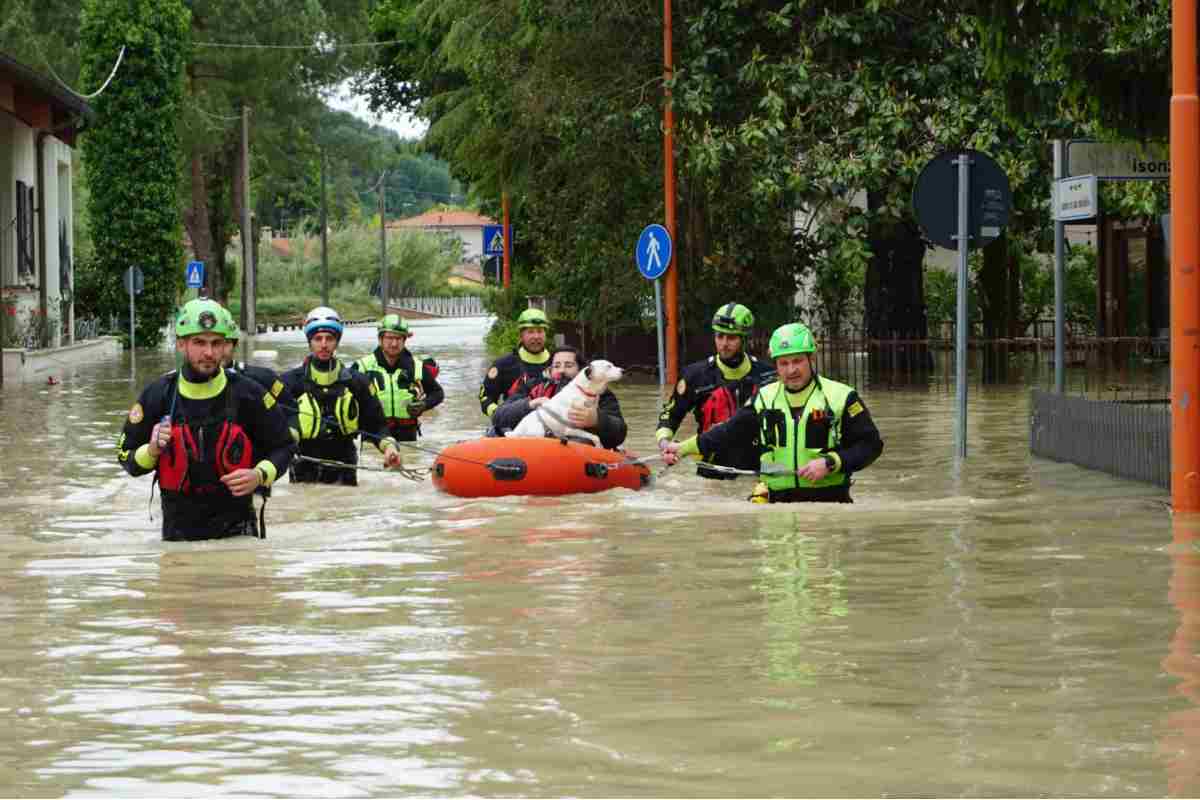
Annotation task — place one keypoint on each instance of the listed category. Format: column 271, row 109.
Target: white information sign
column 1075, row 198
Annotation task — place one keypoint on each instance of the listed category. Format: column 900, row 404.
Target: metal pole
column 324, row 236
column 662, row 372
column 507, row 245
column 672, row 284
column 384, row 285
column 1185, row 257
column 1060, row 277
column 248, row 302
column 960, row 347
column 132, row 332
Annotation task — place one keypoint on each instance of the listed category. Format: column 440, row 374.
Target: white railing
column 466, row 306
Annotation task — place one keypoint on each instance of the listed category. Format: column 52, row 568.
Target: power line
column 94, row 94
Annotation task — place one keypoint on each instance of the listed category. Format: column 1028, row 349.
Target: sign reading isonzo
column 1116, row 161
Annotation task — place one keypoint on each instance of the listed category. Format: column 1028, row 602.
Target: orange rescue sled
column 494, row 467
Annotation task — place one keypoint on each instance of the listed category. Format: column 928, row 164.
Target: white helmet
column 322, row 318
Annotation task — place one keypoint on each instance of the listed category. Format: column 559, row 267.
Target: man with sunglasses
column 604, row 419
column 714, row 389
column 813, row 433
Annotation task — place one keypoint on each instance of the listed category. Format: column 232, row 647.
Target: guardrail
column 464, row 306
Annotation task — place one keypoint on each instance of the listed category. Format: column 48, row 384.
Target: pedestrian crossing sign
column 493, row 240
column 195, row 274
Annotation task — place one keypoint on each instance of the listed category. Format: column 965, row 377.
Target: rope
column 412, row 473
column 94, row 94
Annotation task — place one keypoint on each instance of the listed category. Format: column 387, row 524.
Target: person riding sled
column 210, row 436
column 407, row 386
column 812, row 433
column 715, row 388
column 526, row 363
column 604, row 420
column 334, row 406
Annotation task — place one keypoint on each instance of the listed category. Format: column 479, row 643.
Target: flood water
column 1015, row 627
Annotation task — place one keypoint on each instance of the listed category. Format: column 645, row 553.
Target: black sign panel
column 935, row 200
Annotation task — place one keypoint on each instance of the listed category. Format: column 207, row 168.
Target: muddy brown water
column 1011, row 627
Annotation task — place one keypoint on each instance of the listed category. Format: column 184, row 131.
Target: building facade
column 39, row 121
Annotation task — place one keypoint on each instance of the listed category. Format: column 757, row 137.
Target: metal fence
column 1110, row 368
column 1129, row 439
column 465, row 306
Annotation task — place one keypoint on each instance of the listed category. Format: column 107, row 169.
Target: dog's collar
column 586, row 393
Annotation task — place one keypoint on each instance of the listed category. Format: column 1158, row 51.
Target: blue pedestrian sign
column 195, row 274
column 493, row 240
column 653, row 252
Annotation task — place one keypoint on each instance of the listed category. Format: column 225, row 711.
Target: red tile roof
column 444, row 219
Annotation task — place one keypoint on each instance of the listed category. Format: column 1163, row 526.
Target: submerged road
column 1013, row 628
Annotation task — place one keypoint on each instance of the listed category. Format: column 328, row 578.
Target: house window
column 24, row 225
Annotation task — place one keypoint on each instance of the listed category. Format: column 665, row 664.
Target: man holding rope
column 812, row 433
column 334, row 406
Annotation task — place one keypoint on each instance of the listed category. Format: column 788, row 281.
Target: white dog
column 583, row 391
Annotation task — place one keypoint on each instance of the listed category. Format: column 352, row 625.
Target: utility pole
column 247, row 235
column 507, row 244
column 324, row 235
column 1185, row 258
column 384, row 284
column 672, row 282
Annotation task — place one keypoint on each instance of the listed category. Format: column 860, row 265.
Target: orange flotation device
column 494, row 467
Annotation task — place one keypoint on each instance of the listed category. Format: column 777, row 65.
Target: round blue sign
column 653, row 253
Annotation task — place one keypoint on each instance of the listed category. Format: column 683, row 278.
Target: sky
column 343, row 99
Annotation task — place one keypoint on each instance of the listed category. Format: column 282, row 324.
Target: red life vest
column 718, row 407
column 201, row 452
column 545, row 389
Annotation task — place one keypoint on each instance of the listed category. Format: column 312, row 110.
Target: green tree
column 131, row 149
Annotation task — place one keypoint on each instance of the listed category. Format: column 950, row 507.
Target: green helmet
column 792, row 339
column 201, row 315
column 734, row 319
column 532, row 318
column 393, row 323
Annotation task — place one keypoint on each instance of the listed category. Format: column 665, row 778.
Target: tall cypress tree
column 131, row 150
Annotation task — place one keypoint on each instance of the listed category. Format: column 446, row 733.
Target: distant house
column 466, row 275
column 466, row 225
column 38, row 127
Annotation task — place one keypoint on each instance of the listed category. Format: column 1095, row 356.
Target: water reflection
column 1180, row 742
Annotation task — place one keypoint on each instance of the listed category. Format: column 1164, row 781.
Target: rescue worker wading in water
column 210, row 436
column 715, row 388
column 604, row 419
column 525, row 364
column 407, row 386
column 334, row 406
column 813, row 433
column 263, row 376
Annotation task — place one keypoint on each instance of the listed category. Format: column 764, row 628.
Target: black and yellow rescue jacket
column 713, row 391
column 269, row 380
column 409, row 380
column 792, row 428
column 218, row 426
column 334, row 407
column 507, row 375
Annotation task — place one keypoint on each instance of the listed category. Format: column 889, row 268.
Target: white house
column 39, row 121
column 466, row 225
